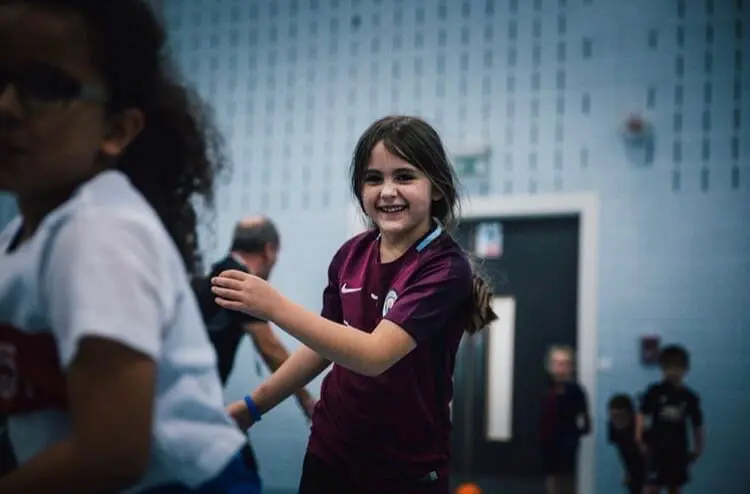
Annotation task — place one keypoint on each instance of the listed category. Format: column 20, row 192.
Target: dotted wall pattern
column 547, row 85
column 295, row 83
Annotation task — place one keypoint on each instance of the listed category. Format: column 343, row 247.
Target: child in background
column 111, row 382
column 622, row 435
column 665, row 411
column 398, row 300
column 565, row 418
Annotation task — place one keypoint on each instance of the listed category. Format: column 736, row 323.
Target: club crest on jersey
column 390, row 299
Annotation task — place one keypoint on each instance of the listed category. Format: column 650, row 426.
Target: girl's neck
column 393, row 246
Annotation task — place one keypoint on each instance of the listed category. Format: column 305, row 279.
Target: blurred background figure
column 621, row 434
column 669, row 425
column 254, row 249
column 565, row 418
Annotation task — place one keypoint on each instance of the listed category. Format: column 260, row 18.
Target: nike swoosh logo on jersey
column 346, row 289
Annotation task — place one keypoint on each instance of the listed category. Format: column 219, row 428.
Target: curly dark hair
column 179, row 154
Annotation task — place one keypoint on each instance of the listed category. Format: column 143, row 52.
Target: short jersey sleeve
column 694, row 409
column 107, row 276
column 649, row 401
column 583, row 409
column 236, row 317
column 581, row 399
column 332, row 309
column 438, row 291
column 214, row 315
column 244, row 318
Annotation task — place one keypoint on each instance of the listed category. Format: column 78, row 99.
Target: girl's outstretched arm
column 440, row 291
column 365, row 353
column 369, row 354
column 296, row 372
column 111, row 393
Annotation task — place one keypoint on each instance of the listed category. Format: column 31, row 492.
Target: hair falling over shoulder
column 482, row 314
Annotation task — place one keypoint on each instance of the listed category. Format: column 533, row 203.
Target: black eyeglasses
column 42, row 86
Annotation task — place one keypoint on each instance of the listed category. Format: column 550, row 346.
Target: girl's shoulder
column 355, row 248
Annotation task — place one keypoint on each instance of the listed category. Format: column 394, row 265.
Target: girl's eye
column 372, row 179
column 404, row 177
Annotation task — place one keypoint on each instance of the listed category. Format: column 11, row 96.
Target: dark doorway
column 538, row 269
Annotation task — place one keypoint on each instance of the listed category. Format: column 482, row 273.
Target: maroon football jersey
column 396, row 425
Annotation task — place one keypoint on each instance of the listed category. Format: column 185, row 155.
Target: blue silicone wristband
column 252, row 408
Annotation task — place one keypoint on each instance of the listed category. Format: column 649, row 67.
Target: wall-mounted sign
column 488, row 240
column 650, row 348
column 473, row 168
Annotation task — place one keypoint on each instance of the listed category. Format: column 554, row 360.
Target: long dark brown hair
column 416, row 142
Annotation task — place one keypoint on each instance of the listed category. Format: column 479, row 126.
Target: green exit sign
column 472, row 166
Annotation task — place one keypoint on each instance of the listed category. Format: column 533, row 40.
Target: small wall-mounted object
column 650, row 348
column 639, row 138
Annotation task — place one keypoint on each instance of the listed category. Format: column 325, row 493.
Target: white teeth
column 392, row 209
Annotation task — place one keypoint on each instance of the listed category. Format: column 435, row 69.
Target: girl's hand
column 245, row 292
column 241, row 415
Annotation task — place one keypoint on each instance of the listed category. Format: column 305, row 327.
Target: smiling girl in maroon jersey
column 398, row 300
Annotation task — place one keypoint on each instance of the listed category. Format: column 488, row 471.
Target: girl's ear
column 123, row 129
column 436, row 194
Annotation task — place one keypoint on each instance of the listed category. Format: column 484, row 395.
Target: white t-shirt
column 102, row 264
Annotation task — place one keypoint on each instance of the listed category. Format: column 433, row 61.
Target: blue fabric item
column 236, row 478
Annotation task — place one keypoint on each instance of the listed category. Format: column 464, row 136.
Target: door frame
column 586, row 207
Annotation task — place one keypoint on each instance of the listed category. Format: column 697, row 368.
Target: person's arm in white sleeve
column 107, row 297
